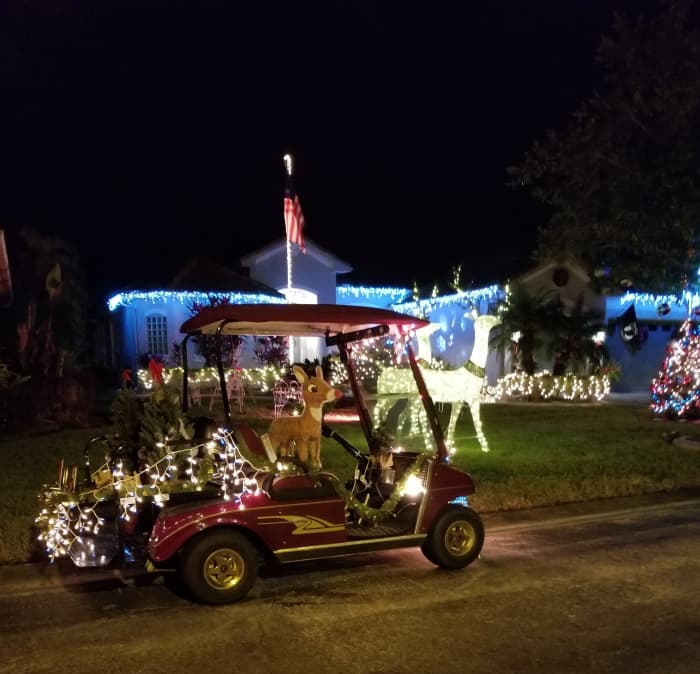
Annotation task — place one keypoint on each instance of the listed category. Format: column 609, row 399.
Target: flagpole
column 288, row 165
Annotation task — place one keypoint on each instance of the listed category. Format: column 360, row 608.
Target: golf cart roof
column 309, row 320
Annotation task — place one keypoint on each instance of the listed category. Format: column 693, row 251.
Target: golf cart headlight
column 414, row 486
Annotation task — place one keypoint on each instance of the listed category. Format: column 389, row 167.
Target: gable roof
column 279, row 246
column 202, row 274
column 549, row 267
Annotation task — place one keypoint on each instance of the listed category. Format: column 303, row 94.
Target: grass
column 541, row 454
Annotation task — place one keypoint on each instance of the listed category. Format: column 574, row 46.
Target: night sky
column 147, row 132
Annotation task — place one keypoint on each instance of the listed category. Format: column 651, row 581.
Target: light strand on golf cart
column 60, row 526
column 67, row 516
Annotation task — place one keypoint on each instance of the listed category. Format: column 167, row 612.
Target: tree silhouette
column 623, row 180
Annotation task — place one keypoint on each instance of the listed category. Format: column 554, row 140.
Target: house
column 308, row 277
column 656, row 319
column 565, row 281
column 639, row 326
column 148, row 321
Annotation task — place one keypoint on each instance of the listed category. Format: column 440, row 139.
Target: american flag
column 293, row 217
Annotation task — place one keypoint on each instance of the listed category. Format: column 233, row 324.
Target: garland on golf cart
column 370, row 515
column 380, row 456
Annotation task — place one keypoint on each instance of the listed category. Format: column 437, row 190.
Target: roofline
column 574, row 268
column 321, row 254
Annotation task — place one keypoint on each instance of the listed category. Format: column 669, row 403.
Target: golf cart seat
column 247, row 439
column 285, row 487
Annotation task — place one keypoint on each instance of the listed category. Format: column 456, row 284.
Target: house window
column 157, row 334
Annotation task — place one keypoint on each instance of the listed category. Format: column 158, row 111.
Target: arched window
column 157, row 334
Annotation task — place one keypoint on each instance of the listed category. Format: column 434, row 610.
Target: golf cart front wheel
column 455, row 539
column 219, row 567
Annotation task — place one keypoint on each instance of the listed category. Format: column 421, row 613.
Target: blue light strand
column 188, row 296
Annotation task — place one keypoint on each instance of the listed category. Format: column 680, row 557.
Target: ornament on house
column 560, row 277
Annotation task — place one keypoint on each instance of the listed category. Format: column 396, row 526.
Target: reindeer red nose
column 338, row 393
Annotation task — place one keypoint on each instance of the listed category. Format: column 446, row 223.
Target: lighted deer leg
column 451, row 427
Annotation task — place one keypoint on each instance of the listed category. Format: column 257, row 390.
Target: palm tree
column 526, row 322
column 571, row 340
column 50, row 309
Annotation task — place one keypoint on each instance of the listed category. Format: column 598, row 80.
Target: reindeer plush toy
column 303, row 432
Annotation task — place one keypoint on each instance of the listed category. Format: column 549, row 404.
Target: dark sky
column 147, row 132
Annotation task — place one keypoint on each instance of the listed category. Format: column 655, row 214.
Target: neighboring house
column 657, row 318
column 566, row 281
column 148, row 321
column 562, row 281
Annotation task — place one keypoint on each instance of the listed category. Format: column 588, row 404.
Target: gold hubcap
column 459, row 538
column 223, row 569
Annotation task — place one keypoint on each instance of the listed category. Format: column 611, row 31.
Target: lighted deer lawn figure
column 303, row 432
column 456, row 387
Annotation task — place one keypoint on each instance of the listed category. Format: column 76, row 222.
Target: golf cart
column 233, row 497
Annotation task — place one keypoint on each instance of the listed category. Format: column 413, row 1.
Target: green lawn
column 541, row 454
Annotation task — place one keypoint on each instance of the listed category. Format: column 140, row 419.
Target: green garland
column 367, row 513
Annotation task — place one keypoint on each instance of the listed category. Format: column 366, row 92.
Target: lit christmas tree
column 676, row 389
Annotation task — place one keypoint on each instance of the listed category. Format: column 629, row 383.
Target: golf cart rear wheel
column 219, row 567
column 455, row 539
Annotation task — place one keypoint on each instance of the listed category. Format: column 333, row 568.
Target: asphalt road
column 611, row 587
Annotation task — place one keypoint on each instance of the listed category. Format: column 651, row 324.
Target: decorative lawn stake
column 454, row 387
column 303, row 432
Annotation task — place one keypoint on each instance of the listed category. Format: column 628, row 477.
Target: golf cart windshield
column 372, row 347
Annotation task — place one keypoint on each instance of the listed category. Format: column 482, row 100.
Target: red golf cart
column 214, row 510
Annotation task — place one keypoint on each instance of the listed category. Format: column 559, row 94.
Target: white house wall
column 175, row 315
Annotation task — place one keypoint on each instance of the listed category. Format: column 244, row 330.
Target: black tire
column 219, row 567
column 428, row 553
column 455, row 538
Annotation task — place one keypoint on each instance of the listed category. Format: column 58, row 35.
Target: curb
column 587, row 509
column 19, row 579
